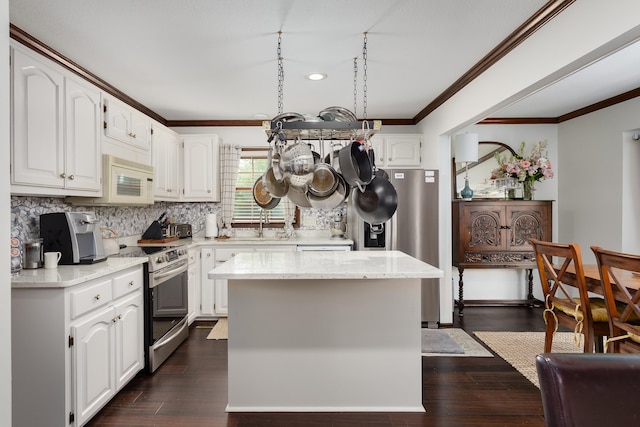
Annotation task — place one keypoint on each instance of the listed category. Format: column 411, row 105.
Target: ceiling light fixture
column 316, row 76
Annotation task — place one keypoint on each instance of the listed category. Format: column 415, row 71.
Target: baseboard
column 500, row 303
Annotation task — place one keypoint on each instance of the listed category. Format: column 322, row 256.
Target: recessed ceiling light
column 316, row 76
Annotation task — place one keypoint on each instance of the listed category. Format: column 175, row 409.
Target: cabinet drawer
column 90, row 298
column 126, row 283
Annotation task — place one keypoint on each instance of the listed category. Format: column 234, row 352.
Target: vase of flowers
column 527, row 169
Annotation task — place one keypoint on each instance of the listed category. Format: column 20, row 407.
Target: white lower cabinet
column 74, row 348
column 207, row 295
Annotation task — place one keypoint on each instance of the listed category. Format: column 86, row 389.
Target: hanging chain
column 364, row 74
column 355, row 86
column 280, row 73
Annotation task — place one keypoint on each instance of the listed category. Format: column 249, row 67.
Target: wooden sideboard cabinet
column 496, row 233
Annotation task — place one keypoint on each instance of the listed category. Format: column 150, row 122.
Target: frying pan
column 277, row 188
column 324, row 180
column 355, row 165
column 332, row 200
column 262, row 197
column 377, row 203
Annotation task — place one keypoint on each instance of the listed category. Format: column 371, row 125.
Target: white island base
column 323, row 343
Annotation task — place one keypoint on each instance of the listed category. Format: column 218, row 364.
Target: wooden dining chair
column 586, row 316
column 622, row 298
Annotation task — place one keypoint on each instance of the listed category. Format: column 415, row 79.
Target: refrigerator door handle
column 393, row 234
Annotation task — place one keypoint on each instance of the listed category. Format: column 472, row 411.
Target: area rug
column 520, row 349
column 451, row 342
column 220, row 330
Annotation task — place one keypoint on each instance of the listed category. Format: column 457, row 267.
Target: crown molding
column 530, row 26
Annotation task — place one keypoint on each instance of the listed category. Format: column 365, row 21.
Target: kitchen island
column 324, row 331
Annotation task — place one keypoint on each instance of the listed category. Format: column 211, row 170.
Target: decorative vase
column 467, row 192
column 527, row 190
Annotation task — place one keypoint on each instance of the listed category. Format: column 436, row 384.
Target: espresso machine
column 76, row 235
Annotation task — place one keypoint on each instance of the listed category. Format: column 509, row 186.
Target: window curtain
column 229, row 160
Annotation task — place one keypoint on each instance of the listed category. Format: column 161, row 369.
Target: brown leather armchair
column 585, row 390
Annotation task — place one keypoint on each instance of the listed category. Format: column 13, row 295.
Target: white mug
column 51, row 259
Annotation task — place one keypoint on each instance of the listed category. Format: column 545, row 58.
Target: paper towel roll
column 211, row 226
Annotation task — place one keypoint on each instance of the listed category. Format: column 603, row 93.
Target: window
column 253, row 163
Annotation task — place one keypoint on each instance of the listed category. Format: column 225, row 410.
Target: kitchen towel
column 211, row 226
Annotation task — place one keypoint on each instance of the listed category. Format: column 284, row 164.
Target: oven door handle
column 174, row 271
column 167, row 338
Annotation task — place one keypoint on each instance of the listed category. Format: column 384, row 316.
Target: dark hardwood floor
column 190, row 388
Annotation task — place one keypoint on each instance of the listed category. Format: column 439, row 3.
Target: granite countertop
column 324, row 265
column 71, row 275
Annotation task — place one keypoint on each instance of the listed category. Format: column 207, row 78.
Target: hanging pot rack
column 319, row 129
column 322, row 130
column 326, row 182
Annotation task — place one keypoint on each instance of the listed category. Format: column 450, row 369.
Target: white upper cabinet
column 166, row 163
column 82, row 136
column 200, row 168
column 55, row 119
column 126, row 124
column 397, row 151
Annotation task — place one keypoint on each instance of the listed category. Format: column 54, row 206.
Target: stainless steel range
column 166, row 304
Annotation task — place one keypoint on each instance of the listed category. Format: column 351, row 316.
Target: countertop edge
column 71, row 275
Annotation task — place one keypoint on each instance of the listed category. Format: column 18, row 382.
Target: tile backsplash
column 131, row 220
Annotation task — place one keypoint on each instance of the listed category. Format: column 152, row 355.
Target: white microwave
column 124, row 183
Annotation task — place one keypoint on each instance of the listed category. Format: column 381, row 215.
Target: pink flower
column 525, row 164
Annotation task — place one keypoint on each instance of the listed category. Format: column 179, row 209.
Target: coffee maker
column 75, row 235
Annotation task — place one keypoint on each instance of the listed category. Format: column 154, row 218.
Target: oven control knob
column 160, row 259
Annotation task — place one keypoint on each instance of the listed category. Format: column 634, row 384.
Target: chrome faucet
column 263, row 214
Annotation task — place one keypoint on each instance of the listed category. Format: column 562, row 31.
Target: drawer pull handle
column 71, row 177
column 63, row 175
column 97, row 297
column 131, row 283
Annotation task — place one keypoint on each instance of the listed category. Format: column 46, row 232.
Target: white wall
column 5, row 289
column 599, row 183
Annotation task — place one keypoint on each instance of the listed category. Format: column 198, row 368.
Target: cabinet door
column 82, row 137
column 527, row 222
column 117, row 117
column 403, row 151
column 483, row 227
column 207, row 286
column 140, row 130
column 221, row 289
column 377, row 143
column 194, row 284
column 166, row 163
column 93, row 363
column 37, row 119
column 129, row 339
column 200, row 168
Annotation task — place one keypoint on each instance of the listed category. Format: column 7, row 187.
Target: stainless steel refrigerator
column 413, row 229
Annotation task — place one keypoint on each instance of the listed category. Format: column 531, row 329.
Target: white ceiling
column 217, row 59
